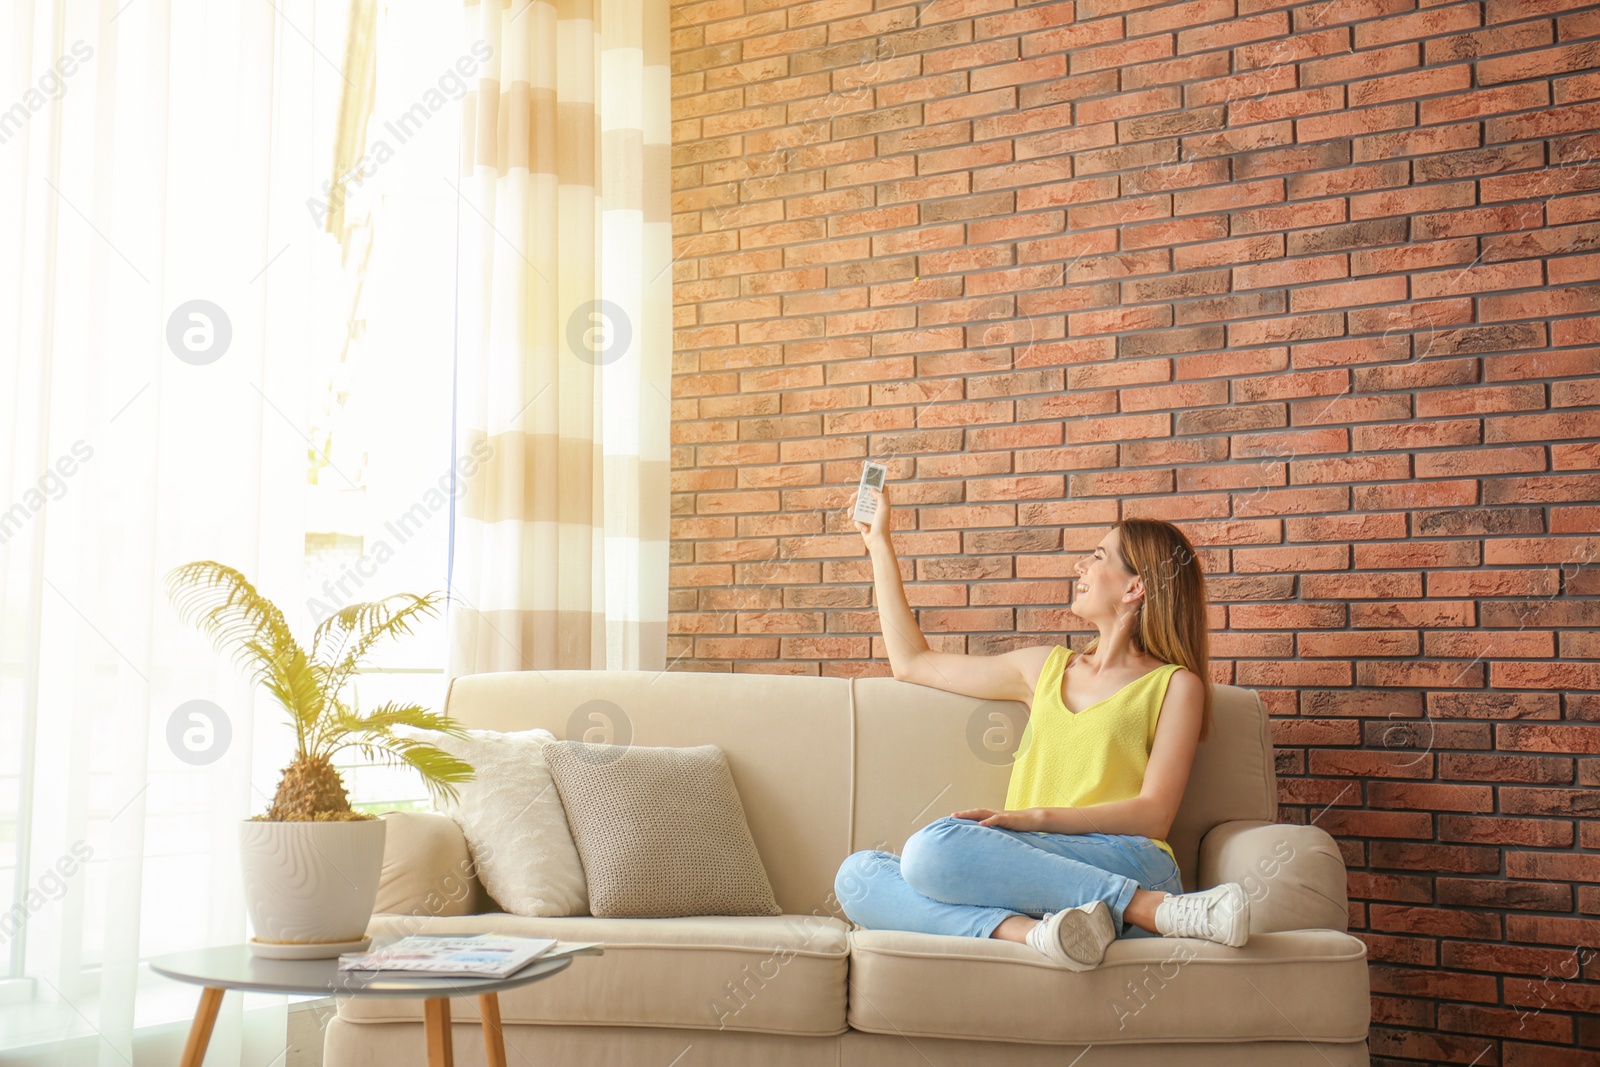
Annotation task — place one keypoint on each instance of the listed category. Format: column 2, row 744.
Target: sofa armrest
column 427, row 868
column 1294, row 875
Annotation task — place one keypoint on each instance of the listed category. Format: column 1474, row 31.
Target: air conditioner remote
column 872, row 477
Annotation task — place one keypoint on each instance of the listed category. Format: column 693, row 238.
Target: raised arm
column 1007, row 676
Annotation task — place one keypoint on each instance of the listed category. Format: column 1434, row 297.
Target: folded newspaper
column 469, row 956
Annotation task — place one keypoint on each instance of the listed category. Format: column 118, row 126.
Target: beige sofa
column 827, row 766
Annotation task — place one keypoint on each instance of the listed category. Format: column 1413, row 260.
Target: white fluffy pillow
column 512, row 818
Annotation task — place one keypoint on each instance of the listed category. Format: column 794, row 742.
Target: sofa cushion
column 511, row 816
column 781, row 974
column 661, row 831
column 1303, row 984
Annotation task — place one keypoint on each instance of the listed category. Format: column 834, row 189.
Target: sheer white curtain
column 160, row 285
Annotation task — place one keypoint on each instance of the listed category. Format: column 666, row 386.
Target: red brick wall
column 1314, row 280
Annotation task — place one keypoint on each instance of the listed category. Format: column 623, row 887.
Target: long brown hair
column 1171, row 622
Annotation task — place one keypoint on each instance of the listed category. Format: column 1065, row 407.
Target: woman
column 1079, row 856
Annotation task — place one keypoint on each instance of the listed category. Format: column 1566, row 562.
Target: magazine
column 466, row 956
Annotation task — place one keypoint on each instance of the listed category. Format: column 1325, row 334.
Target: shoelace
column 1189, row 915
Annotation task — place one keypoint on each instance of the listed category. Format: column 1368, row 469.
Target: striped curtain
column 559, row 545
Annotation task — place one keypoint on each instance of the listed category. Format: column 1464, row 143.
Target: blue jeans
column 957, row 877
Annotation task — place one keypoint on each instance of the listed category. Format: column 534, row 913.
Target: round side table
column 217, row 970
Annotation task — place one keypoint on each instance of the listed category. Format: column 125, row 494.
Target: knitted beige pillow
column 660, row 831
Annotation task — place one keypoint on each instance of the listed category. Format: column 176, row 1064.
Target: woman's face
column 1102, row 580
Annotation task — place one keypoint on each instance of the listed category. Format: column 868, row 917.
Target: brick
column 1286, row 105
column 1499, row 830
column 1348, row 236
column 1495, row 40
column 971, row 104
column 1558, row 120
column 1225, row 253
column 1012, row 227
column 873, row 26
column 1431, row 22
column 1290, row 272
column 1425, row 141
column 1121, row 54
column 1578, row 87
column 1478, row 279
column 1072, row 37
column 1343, row 65
column 1291, row 160
column 961, row 159
column 1028, row 173
column 1541, row 63
column 1290, row 328
column 1066, row 90
column 1242, row 194
column 1411, row 85
column 1269, row 25
column 1547, row 303
column 1120, row 212
column 1026, row 20
column 1356, row 293
column 1041, row 69
column 1175, row 176
column 1175, row 231
column 1248, row 84
column 1459, row 859
column 1173, row 71
column 1176, row 16
column 1453, row 108
column 1356, row 123
column 1144, row 102
column 1547, row 241
column 1068, row 140
column 1480, row 221
column 1441, row 922
column 1343, row 181
column 884, row 218
column 1546, row 738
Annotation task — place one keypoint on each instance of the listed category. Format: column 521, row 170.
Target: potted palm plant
column 311, row 862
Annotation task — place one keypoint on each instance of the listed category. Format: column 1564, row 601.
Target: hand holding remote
column 878, row 529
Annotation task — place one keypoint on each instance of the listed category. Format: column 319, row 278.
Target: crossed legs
column 957, row 877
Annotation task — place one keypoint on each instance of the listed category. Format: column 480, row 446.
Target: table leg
column 205, row 1017
column 436, row 1022
column 494, row 1039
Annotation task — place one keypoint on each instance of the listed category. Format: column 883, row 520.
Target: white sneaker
column 1220, row 914
column 1075, row 938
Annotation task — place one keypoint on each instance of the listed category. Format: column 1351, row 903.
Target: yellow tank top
column 1094, row 757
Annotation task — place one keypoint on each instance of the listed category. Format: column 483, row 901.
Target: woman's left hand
column 1025, row 819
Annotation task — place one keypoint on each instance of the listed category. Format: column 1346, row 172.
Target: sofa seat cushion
column 1300, row 984
column 780, row 974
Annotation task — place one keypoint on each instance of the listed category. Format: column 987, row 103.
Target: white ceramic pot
column 310, row 886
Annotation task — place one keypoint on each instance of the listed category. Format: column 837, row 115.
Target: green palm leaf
column 301, row 691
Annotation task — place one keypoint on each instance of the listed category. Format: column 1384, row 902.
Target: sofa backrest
column 787, row 739
column 923, row 753
column 829, row 766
